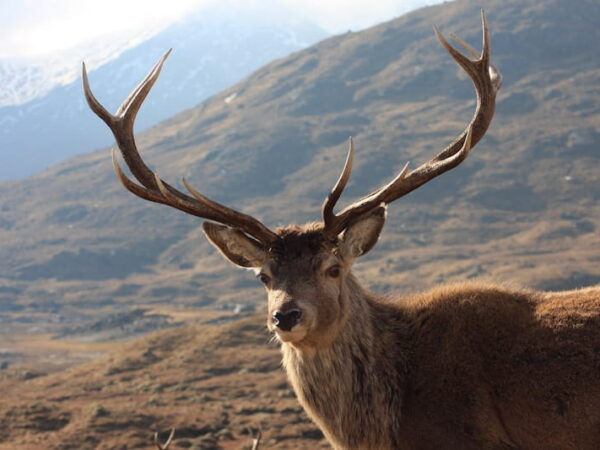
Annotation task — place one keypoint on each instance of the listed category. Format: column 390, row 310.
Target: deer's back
column 504, row 368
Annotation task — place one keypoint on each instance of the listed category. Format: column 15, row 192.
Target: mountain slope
column 522, row 209
column 213, row 49
column 212, row 384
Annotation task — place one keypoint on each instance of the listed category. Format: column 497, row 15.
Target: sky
column 35, row 28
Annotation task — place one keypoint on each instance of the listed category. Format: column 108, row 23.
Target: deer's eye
column 264, row 278
column 333, row 271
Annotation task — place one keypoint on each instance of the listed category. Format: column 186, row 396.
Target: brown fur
column 466, row 366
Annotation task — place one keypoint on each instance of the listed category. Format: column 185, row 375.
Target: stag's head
column 305, row 269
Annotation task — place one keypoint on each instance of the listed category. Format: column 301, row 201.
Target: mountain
column 522, row 209
column 24, row 80
column 214, row 48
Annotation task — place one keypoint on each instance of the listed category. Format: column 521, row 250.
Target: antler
column 152, row 187
column 487, row 80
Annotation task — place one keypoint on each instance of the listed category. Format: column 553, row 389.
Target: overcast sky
column 41, row 27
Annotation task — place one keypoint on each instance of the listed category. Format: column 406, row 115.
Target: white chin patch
column 294, row 335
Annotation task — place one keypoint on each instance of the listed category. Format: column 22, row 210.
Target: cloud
column 37, row 27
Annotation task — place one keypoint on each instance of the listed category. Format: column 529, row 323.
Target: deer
column 470, row 365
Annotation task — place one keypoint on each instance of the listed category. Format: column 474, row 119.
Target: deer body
column 460, row 367
column 471, row 366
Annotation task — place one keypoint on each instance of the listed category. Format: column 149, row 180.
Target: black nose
column 285, row 321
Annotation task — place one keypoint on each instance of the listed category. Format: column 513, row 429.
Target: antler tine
column 336, row 192
column 486, row 80
column 131, row 105
column 136, row 189
column 485, row 46
column 468, row 47
column 166, row 445
column 153, row 188
column 94, row 104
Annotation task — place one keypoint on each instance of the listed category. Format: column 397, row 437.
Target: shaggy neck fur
column 335, row 382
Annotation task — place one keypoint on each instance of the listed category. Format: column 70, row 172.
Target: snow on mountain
column 24, row 80
column 43, row 116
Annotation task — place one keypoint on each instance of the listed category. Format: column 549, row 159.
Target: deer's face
column 304, row 277
column 304, row 273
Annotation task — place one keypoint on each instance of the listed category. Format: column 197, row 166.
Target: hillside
column 523, row 208
column 215, row 385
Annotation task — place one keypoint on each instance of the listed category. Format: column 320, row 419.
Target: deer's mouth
column 296, row 334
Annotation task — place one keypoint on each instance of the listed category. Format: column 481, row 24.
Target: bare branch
column 256, row 440
column 166, row 445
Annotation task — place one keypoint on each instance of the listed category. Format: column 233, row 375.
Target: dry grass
column 212, row 384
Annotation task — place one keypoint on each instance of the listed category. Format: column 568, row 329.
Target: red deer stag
column 469, row 366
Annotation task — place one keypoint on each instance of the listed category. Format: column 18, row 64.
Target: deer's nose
column 285, row 321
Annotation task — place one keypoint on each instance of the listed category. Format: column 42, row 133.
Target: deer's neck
column 362, row 369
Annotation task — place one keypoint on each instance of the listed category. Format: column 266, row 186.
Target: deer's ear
column 362, row 233
column 235, row 245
